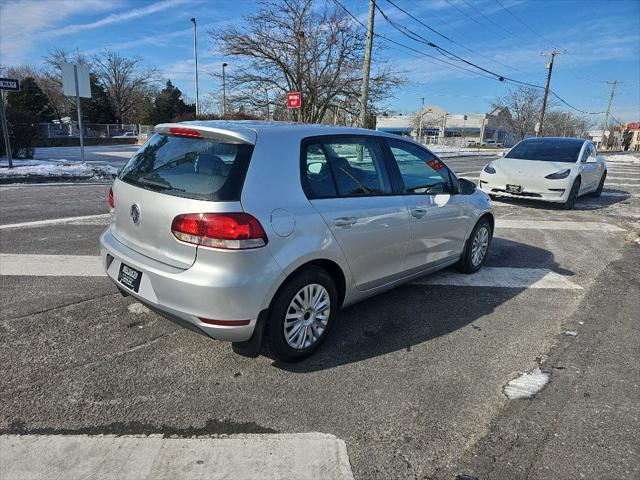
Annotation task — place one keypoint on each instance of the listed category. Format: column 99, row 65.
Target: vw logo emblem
column 135, row 213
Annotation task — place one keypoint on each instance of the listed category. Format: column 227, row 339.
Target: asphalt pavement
column 412, row 380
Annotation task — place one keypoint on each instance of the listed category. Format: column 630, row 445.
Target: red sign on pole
column 294, row 100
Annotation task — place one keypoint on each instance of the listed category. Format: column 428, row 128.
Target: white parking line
column 502, row 277
column 557, row 225
column 283, row 456
column 54, row 221
column 51, row 265
column 614, row 184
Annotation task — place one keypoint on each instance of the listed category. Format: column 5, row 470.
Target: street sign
column 10, row 84
column 294, row 100
column 69, row 80
column 75, row 83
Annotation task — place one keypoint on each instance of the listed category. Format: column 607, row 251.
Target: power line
column 491, row 21
column 411, row 48
column 474, row 19
column 518, row 19
column 492, row 75
column 450, row 39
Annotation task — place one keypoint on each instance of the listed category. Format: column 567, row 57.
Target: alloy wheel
column 307, row 316
column 479, row 245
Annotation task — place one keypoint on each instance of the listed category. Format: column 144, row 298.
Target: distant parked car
column 492, row 143
column 472, row 143
column 236, row 229
column 551, row 169
column 126, row 135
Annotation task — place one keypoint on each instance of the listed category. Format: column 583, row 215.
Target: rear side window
column 421, row 171
column 201, row 169
column 349, row 166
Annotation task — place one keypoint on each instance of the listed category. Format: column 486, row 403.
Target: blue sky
column 601, row 40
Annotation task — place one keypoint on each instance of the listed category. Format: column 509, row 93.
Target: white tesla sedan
column 551, row 169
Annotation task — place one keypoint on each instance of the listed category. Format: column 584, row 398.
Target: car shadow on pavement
column 582, row 203
column 410, row 315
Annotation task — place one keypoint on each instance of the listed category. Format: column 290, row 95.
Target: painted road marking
column 501, row 277
column 557, row 225
column 54, row 221
column 284, row 456
column 51, row 265
column 614, row 184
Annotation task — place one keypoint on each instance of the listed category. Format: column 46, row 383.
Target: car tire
column 285, row 342
column 598, row 191
column 573, row 195
column 472, row 259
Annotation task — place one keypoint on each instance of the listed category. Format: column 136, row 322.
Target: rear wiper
column 154, row 183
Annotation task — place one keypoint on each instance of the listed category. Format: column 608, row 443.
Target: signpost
column 75, row 83
column 11, row 85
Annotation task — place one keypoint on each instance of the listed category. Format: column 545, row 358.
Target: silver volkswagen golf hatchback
column 258, row 232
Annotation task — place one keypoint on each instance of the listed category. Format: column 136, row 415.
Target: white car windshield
column 547, row 149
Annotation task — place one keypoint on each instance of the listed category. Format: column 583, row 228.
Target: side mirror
column 466, row 187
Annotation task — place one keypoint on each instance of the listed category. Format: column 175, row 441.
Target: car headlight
column 489, row 168
column 559, row 175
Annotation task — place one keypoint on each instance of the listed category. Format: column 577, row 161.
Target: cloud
column 115, row 18
column 22, row 20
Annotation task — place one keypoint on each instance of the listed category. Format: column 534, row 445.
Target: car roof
column 556, row 139
column 245, row 128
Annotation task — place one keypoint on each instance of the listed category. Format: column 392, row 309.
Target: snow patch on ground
column 571, row 333
column 622, row 158
column 57, row 168
column 446, row 152
column 137, row 309
column 526, row 385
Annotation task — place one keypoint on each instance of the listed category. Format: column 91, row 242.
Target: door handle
column 418, row 212
column 345, row 221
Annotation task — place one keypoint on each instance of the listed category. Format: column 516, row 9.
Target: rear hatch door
column 193, row 171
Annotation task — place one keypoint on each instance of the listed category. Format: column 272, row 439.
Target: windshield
column 186, row 167
column 551, row 150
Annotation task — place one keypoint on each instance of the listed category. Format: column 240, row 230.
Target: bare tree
column 565, row 124
column 429, row 120
column 295, row 46
column 126, row 81
column 520, row 110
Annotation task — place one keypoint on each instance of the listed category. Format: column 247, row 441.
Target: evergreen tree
column 169, row 105
column 98, row 108
column 30, row 100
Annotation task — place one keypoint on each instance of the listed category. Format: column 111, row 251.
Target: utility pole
column 300, row 36
column 195, row 57
column 366, row 67
column 552, row 54
column 606, row 117
column 420, row 124
column 224, row 91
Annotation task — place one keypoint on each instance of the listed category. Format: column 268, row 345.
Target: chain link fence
column 94, row 130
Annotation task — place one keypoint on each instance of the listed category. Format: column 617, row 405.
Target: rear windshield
column 192, row 168
column 547, row 150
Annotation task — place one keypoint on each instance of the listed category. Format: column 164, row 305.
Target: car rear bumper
column 539, row 189
column 204, row 291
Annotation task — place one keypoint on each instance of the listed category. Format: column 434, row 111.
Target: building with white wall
column 440, row 127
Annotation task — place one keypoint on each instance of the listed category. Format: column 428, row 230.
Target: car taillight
column 185, row 132
column 231, row 231
column 112, row 203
